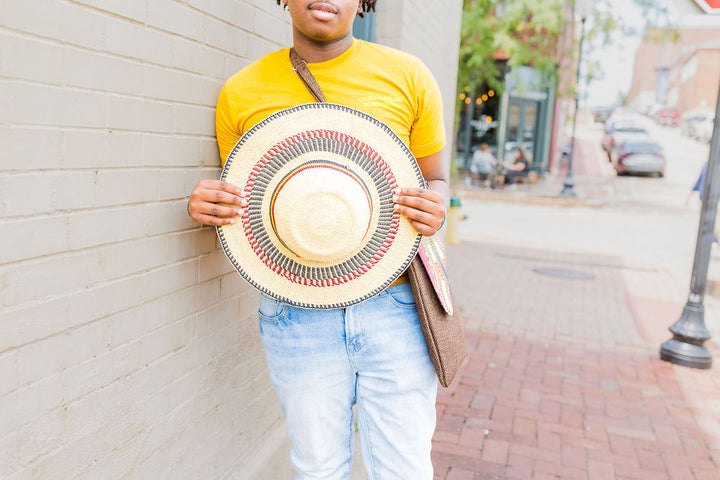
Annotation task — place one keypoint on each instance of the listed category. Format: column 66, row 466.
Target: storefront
column 519, row 118
column 525, row 117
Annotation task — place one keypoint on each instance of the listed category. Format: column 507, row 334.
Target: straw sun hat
column 320, row 230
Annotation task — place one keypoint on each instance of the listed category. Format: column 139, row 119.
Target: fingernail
column 395, row 198
column 398, row 190
column 238, row 211
column 241, row 192
column 232, row 220
column 396, row 207
column 243, row 202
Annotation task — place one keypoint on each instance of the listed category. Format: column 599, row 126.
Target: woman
column 483, row 164
column 519, row 168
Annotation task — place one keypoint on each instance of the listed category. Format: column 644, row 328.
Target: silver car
column 619, row 127
column 639, row 155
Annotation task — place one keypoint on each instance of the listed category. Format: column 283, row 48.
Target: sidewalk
column 563, row 379
column 591, row 173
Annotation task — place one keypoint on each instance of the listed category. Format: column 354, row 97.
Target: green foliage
column 528, row 32
column 524, row 32
column 477, row 46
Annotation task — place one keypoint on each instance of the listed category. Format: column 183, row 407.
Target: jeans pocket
column 270, row 310
column 401, row 295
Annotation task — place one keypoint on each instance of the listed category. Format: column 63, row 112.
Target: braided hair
column 367, row 6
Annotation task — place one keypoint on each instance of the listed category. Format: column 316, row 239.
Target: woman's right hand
column 204, row 204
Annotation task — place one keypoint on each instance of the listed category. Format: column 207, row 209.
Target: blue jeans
column 374, row 354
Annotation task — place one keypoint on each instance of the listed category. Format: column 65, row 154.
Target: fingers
column 214, row 202
column 420, row 199
column 425, row 209
column 212, row 220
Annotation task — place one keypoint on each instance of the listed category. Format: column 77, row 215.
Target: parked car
column 621, row 136
column 620, row 125
column 601, row 114
column 703, row 129
column 667, row 116
column 689, row 119
column 639, row 155
column 654, row 109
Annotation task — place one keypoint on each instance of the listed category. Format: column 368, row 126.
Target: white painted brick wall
column 128, row 345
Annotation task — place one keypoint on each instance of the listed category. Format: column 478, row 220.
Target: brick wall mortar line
column 111, row 54
column 53, row 41
column 108, row 94
column 96, row 247
column 110, row 316
column 107, row 12
column 149, row 26
column 152, row 364
column 61, row 332
column 276, row 428
column 91, row 208
column 145, row 24
column 129, row 168
column 74, row 88
column 71, row 403
column 109, row 131
column 102, row 284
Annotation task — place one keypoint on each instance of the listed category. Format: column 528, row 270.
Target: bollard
column 453, row 221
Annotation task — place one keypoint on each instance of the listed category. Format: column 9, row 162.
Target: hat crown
column 321, row 213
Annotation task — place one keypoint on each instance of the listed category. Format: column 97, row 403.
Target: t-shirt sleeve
column 427, row 135
column 226, row 129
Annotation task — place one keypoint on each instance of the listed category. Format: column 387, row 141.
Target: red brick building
column 680, row 67
column 695, row 76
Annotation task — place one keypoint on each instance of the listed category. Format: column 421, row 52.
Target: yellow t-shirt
column 392, row 86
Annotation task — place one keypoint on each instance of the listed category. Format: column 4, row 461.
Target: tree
column 523, row 31
column 528, row 32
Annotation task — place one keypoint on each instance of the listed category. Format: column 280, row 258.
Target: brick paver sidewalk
column 544, row 398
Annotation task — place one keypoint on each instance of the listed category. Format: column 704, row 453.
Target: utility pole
column 467, row 140
column 689, row 332
column 569, row 184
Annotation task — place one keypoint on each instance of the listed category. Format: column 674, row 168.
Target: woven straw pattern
column 321, row 135
column 321, row 225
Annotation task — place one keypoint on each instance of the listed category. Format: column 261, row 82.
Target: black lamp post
column 467, row 137
column 689, row 333
column 569, row 183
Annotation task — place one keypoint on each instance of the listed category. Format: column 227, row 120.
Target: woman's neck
column 315, row 52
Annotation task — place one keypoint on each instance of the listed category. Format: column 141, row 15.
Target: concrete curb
column 530, row 198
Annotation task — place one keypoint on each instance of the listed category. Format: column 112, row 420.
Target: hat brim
column 340, row 137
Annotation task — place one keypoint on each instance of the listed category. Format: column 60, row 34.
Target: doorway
column 522, row 131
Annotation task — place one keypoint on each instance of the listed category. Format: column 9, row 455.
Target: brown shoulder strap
column 300, row 67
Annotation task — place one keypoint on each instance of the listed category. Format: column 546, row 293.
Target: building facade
column 677, row 67
column 129, row 346
column 694, row 77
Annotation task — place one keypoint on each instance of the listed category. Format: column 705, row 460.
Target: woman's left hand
column 425, row 209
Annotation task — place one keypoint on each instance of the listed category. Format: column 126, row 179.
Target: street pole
column 689, row 332
column 467, row 137
column 569, row 183
column 503, row 116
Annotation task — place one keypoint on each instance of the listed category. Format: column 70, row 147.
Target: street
column 566, row 303
column 643, row 223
